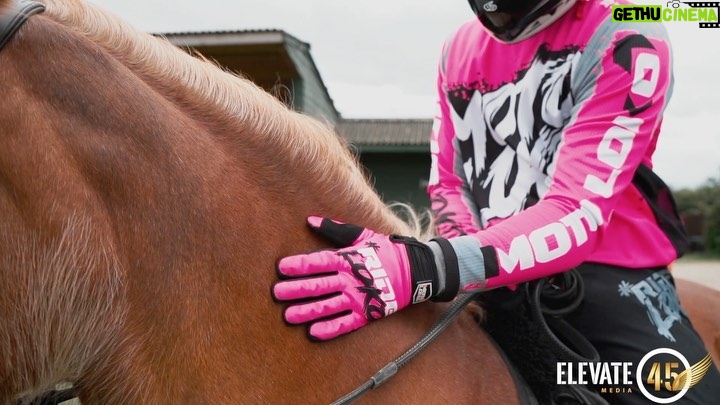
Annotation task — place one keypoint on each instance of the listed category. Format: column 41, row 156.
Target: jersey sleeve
column 454, row 211
column 620, row 89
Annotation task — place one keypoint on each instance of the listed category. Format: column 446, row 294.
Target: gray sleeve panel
column 584, row 78
column 470, row 260
column 439, row 264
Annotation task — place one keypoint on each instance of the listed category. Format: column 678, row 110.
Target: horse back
column 701, row 302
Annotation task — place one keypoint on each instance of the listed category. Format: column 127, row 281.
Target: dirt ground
column 704, row 272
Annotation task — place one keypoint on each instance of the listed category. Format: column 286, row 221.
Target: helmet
column 515, row 20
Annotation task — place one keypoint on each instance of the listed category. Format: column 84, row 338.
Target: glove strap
column 422, row 268
column 452, row 271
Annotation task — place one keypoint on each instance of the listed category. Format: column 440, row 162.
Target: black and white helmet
column 515, row 20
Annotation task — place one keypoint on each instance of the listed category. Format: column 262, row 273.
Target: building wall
column 400, row 177
column 309, row 93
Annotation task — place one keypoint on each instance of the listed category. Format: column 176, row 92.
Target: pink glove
column 370, row 277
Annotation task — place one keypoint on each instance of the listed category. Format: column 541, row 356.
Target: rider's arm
column 454, row 211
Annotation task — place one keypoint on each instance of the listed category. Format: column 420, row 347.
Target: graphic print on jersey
column 514, row 132
column 639, row 59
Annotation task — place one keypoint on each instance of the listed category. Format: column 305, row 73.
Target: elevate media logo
column 705, row 13
column 663, row 375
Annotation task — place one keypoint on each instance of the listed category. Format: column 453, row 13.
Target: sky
column 378, row 59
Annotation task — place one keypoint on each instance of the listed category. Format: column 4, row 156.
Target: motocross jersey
column 536, row 143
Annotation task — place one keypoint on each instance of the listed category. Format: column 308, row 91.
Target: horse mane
column 227, row 102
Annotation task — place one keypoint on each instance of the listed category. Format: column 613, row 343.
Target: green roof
column 387, row 134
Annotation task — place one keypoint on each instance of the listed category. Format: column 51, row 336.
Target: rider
column 547, row 110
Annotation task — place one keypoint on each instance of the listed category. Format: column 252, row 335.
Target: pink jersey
column 536, row 144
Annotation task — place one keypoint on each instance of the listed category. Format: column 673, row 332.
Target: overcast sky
column 378, row 59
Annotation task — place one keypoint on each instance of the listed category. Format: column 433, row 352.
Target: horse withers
column 145, row 196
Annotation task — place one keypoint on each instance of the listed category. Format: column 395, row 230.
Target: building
column 395, row 152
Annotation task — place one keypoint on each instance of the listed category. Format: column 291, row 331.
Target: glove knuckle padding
column 315, row 263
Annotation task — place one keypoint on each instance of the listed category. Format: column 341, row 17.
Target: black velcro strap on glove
column 452, row 271
column 422, row 266
column 339, row 234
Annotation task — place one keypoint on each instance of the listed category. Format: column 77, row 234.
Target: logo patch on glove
column 423, row 292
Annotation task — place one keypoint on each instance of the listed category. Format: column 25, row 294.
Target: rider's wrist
column 439, row 259
column 434, row 272
column 448, row 270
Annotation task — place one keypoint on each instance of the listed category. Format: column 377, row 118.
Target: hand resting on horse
column 369, row 276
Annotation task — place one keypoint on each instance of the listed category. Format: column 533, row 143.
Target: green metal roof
column 387, row 134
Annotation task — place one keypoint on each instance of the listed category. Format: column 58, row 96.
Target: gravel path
column 704, row 272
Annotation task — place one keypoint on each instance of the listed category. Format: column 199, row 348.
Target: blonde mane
column 234, row 102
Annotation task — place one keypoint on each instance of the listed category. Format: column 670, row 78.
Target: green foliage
column 712, row 239
column 703, row 204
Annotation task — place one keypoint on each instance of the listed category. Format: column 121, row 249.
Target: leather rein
column 17, row 14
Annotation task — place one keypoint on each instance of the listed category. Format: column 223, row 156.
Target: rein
column 391, row 368
column 17, row 15
column 550, row 301
column 55, row 397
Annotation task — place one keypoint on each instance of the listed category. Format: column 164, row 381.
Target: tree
column 704, row 203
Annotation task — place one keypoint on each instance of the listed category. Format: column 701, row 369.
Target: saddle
column 527, row 326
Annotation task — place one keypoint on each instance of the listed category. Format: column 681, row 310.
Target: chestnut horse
column 145, row 196
column 702, row 304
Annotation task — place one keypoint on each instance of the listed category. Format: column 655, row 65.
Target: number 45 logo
column 670, row 376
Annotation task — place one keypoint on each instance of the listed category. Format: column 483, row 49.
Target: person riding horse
column 548, row 110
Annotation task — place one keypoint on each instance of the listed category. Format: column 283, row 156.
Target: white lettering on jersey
column 434, row 169
column 552, row 240
column 646, row 64
column 574, row 221
column 434, row 151
column 613, row 151
column 617, row 142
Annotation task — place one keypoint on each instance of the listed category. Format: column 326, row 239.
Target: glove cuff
column 452, row 271
column 423, row 270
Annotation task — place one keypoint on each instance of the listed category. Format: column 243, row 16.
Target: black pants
column 628, row 313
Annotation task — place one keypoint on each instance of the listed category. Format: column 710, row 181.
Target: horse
column 145, row 197
column 702, row 302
